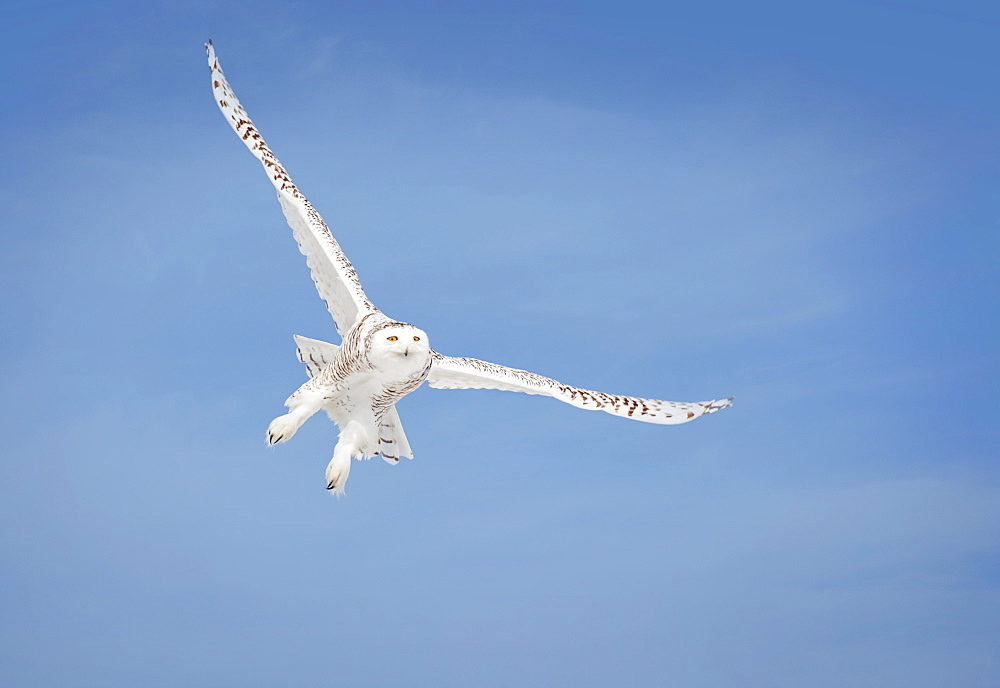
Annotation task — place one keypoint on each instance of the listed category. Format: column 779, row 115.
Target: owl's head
column 402, row 340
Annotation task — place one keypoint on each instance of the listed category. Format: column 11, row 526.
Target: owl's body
column 381, row 360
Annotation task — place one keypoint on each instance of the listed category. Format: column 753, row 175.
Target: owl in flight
column 381, row 360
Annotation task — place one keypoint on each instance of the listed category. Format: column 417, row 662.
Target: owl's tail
column 392, row 444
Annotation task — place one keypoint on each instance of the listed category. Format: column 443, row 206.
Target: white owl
column 380, row 360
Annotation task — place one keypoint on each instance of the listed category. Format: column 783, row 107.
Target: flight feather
column 335, row 278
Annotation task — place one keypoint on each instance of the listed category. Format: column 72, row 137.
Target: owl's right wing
column 469, row 373
column 332, row 272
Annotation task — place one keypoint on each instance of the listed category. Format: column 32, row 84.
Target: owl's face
column 404, row 341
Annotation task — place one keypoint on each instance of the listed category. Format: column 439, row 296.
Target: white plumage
column 381, row 360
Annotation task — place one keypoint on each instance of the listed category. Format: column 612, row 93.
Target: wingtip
column 717, row 405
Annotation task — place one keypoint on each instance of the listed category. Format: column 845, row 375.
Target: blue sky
column 792, row 204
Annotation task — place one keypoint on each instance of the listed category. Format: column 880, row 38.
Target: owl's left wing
column 469, row 373
column 336, row 281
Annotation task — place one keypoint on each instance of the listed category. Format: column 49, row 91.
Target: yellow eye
column 416, row 339
column 392, row 338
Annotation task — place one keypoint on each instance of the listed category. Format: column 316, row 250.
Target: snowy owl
column 380, row 360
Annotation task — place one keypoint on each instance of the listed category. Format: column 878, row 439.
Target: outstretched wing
column 335, row 278
column 468, row 373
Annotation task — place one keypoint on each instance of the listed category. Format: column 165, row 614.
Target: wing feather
column 335, row 278
column 468, row 373
column 315, row 354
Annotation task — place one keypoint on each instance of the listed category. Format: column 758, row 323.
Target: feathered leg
column 351, row 442
column 338, row 469
column 304, row 402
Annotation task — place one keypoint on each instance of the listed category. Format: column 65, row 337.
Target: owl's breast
column 402, row 369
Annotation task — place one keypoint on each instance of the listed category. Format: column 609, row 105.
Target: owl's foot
column 282, row 428
column 336, row 473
